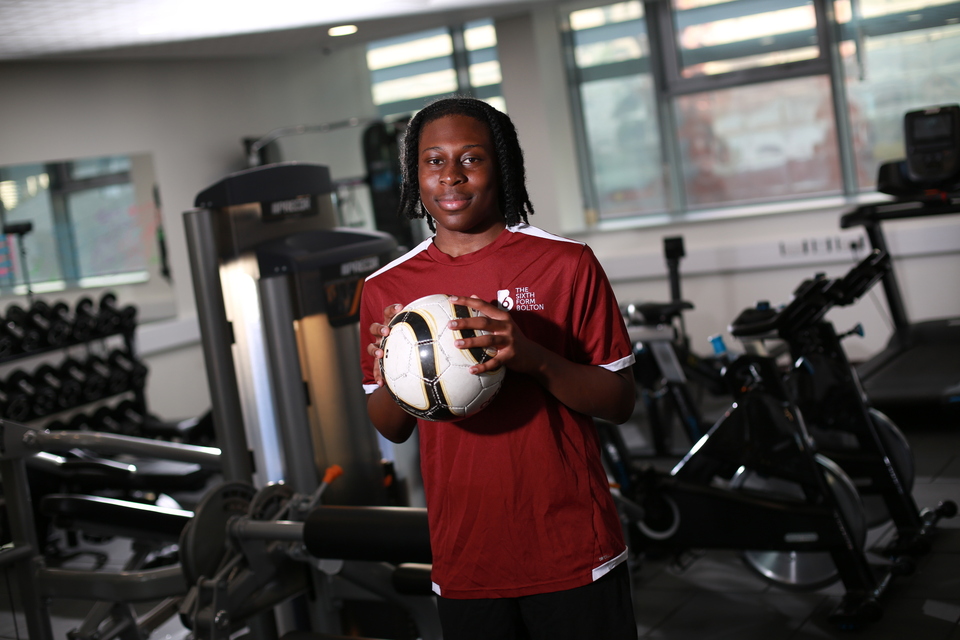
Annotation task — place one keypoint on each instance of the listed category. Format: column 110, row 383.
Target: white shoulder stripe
column 409, row 254
column 539, row 233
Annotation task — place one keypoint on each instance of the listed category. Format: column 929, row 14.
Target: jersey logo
column 519, row 298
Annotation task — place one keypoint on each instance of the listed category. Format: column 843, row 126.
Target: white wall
column 190, row 116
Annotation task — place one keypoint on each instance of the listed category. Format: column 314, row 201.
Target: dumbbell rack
column 90, row 350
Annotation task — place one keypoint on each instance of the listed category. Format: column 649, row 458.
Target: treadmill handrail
column 870, row 216
column 899, row 209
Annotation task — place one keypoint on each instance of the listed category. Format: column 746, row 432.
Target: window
column 621, row 135
column 409, row 71
column 716, row 37
column 706, row 104
column 898, row 55
column 91, row 224
column 758, row 142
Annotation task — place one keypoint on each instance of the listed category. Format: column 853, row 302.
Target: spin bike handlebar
column 812, row 300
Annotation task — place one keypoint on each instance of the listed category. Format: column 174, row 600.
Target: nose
column 452, row 174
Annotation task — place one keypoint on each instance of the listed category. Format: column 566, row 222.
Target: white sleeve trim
column 370, row 388
column 622, row 363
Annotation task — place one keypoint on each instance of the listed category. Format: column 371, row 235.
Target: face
column 457, row 172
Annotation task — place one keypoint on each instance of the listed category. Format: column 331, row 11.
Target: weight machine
column 242, row 551
column 277, row 290
column 278, row 287
column 38, row 583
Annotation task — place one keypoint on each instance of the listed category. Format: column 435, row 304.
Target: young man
column 526, row 538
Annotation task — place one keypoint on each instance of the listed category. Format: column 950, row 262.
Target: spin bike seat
column 755, row 321
column 655, row 313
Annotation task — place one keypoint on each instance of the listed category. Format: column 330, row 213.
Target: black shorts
column 600, row 610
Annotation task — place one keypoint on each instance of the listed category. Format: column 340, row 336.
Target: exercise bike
column 825, row 386
column 757, row 482
column 666, row 364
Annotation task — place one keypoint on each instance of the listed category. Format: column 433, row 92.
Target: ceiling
column 143, row 29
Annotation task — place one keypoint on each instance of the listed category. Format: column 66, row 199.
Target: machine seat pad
column 412, row 579
column 655, row 313
column 97, row 515
column 755, row 322
column 379, row 534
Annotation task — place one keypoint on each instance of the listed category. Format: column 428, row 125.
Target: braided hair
column 513, row 200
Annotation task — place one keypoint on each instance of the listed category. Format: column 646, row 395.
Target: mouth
column 453, row 201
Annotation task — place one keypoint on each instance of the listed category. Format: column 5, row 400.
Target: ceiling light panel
column 31, row 28
column 37, row 27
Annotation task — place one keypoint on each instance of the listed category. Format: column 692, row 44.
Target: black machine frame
column 802, row 501
column 919, row 369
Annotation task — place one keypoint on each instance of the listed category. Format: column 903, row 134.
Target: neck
column 456, row 243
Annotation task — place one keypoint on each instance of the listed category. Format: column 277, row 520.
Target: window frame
column 664, row 66
column 460, row 59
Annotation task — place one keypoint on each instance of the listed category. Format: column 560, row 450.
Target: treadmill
column 916, row 377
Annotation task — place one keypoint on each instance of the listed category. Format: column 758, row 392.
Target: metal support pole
column 208, row 457
column 216, row 337
column 16, row 493
column 289, row 392
column 898, row 310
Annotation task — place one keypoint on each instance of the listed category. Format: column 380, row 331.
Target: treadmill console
column 932, row 140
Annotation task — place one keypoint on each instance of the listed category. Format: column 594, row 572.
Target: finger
column 488, row 365
column 391, row 310
column 476, row 302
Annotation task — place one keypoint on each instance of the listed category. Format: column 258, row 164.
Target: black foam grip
column 413, row 580
column 380, row 534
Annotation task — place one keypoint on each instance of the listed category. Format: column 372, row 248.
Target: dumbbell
column 67, row 390
column 21, row 397
column 84, row 320
column 41, row 332
column 92, row 385
column 19, row 405
column 45, row 399
column 115, row 380
column 133, row 370
column 113, row 318
column 19, row 326
column 103, row 419
column 131, row 420
column 9, row 345
column 54, row 330
column 112, row 383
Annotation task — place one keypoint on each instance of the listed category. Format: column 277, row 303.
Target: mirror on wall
column 78, row 227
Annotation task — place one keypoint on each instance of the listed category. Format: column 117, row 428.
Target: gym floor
column 713, row 595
